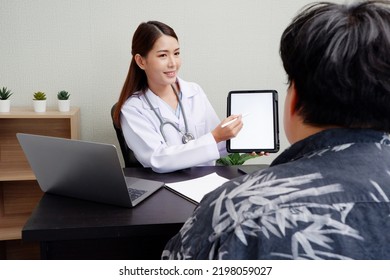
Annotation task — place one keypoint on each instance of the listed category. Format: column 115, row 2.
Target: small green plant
column 5, row 93
column 63, row 95
column 236, row 159
column 39, row 95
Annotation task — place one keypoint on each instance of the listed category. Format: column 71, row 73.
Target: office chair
column 127, row 153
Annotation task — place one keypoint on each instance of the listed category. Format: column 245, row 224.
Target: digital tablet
column 260, row 132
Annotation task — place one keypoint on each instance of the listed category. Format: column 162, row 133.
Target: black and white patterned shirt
column 325, row 197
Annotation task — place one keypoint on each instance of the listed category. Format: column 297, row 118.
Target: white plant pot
column 39, row 106
column 5, row 106
column 64, row 105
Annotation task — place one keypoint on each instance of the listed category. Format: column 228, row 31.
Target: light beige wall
column 84, row 47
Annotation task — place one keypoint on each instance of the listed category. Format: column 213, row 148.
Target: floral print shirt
column 325, row 197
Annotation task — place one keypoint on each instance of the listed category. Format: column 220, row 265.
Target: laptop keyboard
column 135, row 193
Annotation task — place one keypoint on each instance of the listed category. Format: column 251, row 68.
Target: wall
column 84, row 47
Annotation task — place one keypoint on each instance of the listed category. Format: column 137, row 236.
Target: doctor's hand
column 228, row 128
column 259, row 154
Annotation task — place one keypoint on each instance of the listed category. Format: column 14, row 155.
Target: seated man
column 328, row 195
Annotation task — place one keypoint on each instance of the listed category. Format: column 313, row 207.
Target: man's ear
column 140, row 61
column 293, row 99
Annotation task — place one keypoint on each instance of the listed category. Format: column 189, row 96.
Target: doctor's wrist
column 216, row 136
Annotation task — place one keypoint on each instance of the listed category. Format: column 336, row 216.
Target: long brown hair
column 144, row 38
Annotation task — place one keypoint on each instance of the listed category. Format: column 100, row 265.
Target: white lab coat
column 141, row 128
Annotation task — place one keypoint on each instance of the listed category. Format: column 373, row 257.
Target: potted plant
column 5, row 102
column 63, row 101
column 235, row 159
column 39, row 102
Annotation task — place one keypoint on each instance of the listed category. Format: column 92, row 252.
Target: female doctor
column 167, row 122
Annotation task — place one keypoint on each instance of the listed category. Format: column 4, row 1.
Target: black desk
column 69, row 228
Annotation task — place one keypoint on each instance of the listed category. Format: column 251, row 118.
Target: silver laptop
column 84, row 170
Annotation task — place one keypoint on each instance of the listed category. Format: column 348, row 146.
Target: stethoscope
column 187, row 136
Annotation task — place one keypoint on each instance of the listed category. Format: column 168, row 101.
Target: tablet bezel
column 276, row 144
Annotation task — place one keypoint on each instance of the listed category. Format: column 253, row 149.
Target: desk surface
column 58, row 217
column 162, row 214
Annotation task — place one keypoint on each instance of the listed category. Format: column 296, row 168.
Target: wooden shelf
column 17, row 175
column 19, row 190
column 28, row 112
column 11, row 233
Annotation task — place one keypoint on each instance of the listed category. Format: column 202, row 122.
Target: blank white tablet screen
column 258, row 133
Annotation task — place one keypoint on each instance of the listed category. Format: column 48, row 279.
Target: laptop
column 84, row 170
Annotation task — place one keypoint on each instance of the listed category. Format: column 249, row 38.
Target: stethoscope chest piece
column 187, row 137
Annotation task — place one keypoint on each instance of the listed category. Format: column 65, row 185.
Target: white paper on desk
column 195, row 189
